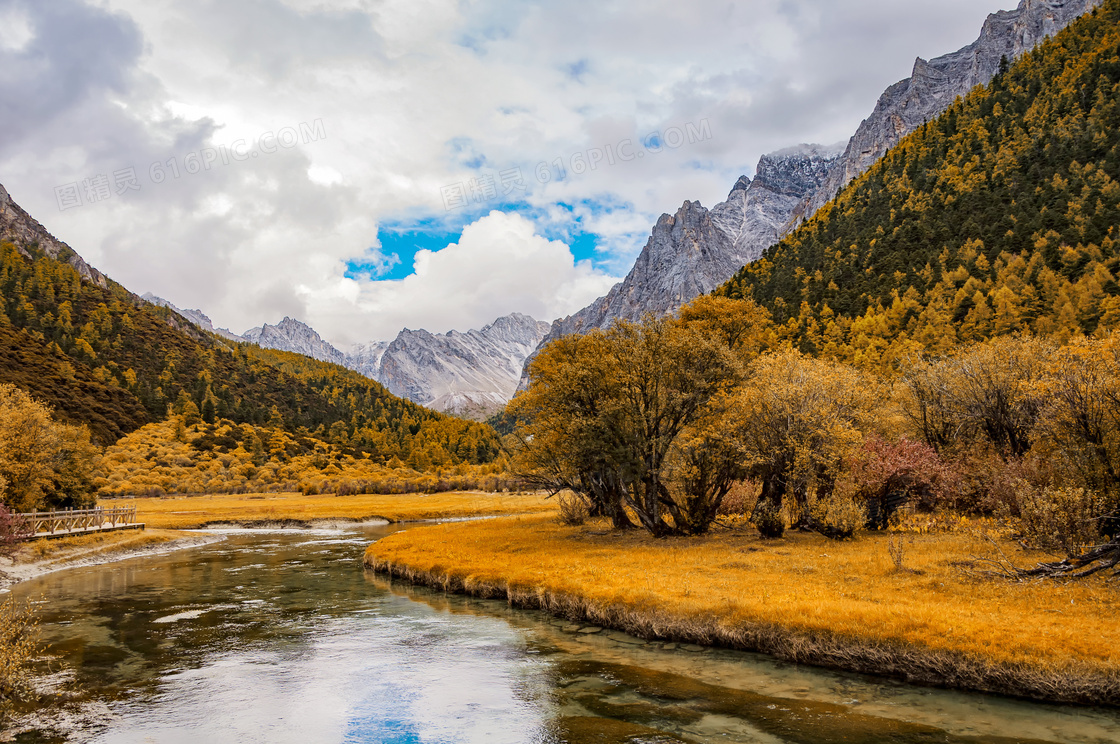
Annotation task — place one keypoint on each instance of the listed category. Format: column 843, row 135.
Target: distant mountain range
column 101, row 356
column 470, row 374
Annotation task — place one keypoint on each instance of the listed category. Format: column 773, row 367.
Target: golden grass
column 64, row 549
column 803, row 598
column 195, row 511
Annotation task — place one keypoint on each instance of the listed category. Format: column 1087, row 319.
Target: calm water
column 282, row 637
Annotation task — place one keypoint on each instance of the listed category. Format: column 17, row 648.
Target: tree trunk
column 1100, row 558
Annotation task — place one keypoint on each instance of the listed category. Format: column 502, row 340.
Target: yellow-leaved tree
column 43, row 463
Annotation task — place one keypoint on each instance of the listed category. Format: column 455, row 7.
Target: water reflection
column 281, row 637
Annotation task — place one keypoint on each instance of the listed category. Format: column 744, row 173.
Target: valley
column 836, row 458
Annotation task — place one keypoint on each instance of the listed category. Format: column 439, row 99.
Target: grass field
column 804, row 598
column 195, row 511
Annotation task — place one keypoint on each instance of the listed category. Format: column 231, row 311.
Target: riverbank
column 298, row 510
column 40, row 557
column 803, row 599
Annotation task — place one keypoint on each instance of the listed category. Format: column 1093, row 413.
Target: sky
column 371, row 165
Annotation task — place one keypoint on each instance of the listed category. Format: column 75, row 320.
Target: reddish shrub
column 889, row 475
column 13, row 530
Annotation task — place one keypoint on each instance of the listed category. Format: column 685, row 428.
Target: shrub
column 13, row 530
column 740, row 499
column 769, row 520
column 1065, row 519
column 839, row 516
column 574, row 510
column 888, row 475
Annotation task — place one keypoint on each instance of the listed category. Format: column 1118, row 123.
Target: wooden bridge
column 79, row 521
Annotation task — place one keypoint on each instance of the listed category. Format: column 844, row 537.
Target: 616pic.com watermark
column 485, row 187
column 103, row 186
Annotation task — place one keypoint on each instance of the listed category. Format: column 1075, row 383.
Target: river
column 281, row 636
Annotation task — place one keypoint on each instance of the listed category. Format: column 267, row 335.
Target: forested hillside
column 102, row 357
column 1003, row 215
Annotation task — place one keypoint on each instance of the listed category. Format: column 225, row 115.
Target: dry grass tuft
column 802, row 598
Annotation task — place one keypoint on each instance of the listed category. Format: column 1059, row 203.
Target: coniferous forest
column 1001, row 216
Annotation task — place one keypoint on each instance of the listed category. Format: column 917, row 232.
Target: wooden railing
column 77, row 520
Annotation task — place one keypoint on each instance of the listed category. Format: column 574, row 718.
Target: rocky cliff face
column 684, row 256
column 470, row 374
column 756, row 213
column 365, row 359
column 936, row 84
column 696, row 250
column 19, row 228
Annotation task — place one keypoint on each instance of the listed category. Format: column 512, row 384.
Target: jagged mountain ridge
column 471, row 374
column 197, row 317
column 696, row 250
column 295, row 336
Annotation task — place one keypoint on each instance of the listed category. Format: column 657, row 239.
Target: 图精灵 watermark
column 487, row 186
column 104, row 186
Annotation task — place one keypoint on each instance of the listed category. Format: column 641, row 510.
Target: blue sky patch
column 403, row 238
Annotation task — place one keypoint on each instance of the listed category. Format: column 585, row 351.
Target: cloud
column 498, row 266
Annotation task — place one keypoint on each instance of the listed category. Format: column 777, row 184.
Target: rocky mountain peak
column 695, row 250
column 470, row 374
column 294, row 335
column 742, row 184
column 796, row 171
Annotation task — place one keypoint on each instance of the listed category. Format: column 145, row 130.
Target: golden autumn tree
column 604, row 415
column 795, row 421
column 42, row 462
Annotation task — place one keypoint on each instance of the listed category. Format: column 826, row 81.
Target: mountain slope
column 197, row 317
column 753, row 218
column 936, row 84
column 1002, row 215
column 102, row 356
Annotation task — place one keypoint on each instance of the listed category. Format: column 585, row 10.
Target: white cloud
column 15, row 29
column 500, row 265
